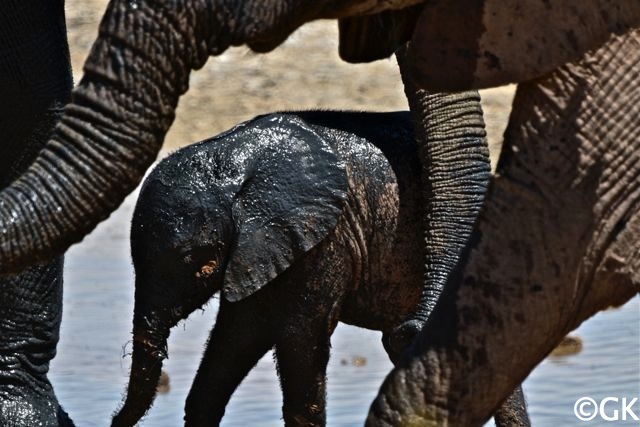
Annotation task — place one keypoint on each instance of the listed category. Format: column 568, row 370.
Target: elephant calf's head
column 180, row 237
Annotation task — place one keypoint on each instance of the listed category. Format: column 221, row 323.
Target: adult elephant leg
column 31, row 311
column 556, row 242
column 35, row 82
column 452, row 145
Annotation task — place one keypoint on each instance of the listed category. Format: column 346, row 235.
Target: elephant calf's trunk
column 149, row 350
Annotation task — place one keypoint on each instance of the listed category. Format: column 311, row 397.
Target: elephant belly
column 391, row 287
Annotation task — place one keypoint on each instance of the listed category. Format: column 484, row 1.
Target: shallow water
column 90, row 372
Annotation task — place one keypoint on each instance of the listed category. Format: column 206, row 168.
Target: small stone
column 163, row 383
column 570, row 345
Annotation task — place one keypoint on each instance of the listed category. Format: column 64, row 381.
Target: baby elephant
column 300, row 220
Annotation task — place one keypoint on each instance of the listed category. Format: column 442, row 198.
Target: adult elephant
column 140, row 64
column 556, row 242
column 35, row 83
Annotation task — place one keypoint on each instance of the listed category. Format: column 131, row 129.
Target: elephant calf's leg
column 302, row 352
column 239, row 339
column 303, row 342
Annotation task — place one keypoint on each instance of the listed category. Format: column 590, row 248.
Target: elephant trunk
column 452, row 145
column 110, row 133
column 149, row 350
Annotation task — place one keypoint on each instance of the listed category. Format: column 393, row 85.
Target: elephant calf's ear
column 465, row 44
column 293, row 194
column 371, row 37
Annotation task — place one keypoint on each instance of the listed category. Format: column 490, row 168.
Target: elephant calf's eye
column 207, row 270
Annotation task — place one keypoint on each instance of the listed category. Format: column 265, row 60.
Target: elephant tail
column 149, row 351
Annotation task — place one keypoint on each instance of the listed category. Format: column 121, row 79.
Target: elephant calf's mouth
column 207, row 270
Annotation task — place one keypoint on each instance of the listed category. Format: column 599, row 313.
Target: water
column 90, row 372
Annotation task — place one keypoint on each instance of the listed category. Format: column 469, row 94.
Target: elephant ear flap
column 371, row 37
column 465, row 44
column 291, row 199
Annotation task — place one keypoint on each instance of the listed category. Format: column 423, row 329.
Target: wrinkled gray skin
column 323, row 208
column 30, row 301
column 556, row 242
column 140, row 65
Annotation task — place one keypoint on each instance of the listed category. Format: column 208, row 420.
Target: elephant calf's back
column 383, row 210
